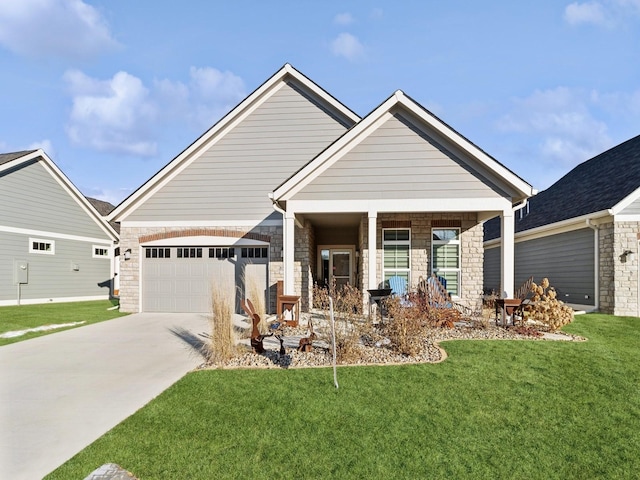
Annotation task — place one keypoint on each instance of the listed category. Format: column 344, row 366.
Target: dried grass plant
column 222, row 345
column 254, row 291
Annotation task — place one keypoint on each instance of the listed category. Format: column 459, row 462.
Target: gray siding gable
column 632, row 209
column 31, row 198
column 398, row 160
column 231, row 179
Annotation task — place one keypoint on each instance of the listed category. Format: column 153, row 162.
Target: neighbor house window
column 100, row 251
column 37, row 245
column 396, row 253
column 445, row 255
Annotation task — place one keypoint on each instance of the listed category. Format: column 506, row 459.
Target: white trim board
column 62, row 236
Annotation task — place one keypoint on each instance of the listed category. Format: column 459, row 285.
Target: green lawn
column 493, row 409
column 22, row 317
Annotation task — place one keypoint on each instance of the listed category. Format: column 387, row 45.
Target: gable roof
column 507, row 180
column 104, row 209
column 15, row 159
column 244, row 108
column 595, row 185
column 9, row 157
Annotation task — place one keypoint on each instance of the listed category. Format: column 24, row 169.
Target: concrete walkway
column 60, row 392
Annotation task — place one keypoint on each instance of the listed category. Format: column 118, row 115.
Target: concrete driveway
column 60, row 392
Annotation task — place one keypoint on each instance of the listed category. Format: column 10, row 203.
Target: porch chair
column 398, row 287
column 437, row 296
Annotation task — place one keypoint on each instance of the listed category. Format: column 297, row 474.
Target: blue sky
column 113, row 90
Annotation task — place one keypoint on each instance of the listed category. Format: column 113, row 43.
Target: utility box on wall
column 20, row 272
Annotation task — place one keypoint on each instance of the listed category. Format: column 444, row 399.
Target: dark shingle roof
column 595, row 185
column 104, row 209
column 8, row 157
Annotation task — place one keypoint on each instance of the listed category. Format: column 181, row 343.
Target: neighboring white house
column 295, row 186
column 582, row 233
column 55, row 245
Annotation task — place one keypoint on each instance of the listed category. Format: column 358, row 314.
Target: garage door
column 181, row 278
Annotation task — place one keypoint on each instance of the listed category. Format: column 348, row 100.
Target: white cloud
column 59, row 28
column 348, row 46
column 113, row 196
column 112, row 115
column 45, row 145
column 343, row 19
column 603, row 13
column 563, row 123
column 122, row 115
column 589, row 12
column 207, row 96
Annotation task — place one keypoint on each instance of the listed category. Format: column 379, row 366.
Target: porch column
column 288, row 254
column 508, row 252
column 373, row 280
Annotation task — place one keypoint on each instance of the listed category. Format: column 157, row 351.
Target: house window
column 189, row 252
column 46, row 247
column 157, row 252
column 396, row 253
column 445, row 255
column 222, row 252
column 100, row 251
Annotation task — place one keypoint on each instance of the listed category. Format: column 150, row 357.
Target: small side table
column 508, row 306
column 290, row 302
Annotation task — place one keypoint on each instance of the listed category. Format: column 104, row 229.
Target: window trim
column 51, row 243
column 458, row 269
column 397, row 242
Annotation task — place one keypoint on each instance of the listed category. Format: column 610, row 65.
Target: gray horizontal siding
column 633, row 209
column 31, row 198
column 51, row 276
column 492, row 262
column 396, row 161
column 232, row 180
column 566, row 259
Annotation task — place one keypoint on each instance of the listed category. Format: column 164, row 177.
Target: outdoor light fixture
column 127, row 254
column 626, row 255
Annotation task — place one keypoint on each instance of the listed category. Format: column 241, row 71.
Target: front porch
column 336, row 248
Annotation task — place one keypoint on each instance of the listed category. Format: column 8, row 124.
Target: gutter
column 276, row 206
column 553, row 226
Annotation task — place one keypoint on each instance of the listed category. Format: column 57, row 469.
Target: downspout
column 596, row 261
column 521, row 205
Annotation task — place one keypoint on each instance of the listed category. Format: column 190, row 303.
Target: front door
column 336, row 265
column 340, row 268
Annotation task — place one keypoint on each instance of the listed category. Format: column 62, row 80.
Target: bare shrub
column 406, row 327
column 351, row 324
column 222, row 345
column 547, row 309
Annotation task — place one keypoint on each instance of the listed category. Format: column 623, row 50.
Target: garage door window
column 189, row 252
column 255, row 252
column 222, row 252
column 158, row 253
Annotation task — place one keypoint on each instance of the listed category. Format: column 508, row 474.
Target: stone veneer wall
column 471, row 244
column 606, row 274
column 304, row 257
column 618, row 276
column 130, row 269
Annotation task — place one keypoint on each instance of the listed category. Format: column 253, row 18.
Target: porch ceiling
column 334, row 219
